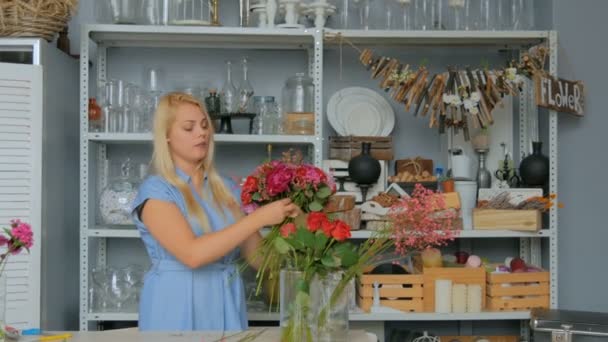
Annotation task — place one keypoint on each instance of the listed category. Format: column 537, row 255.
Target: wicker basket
column 35, row 18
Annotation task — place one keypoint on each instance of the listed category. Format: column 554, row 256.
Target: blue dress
column 175, row 297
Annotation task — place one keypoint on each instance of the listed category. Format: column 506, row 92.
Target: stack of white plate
column 360, row 112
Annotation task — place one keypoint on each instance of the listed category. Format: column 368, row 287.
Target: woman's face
column 189, row 135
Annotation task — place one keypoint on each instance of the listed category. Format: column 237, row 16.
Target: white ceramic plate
column 360, row 111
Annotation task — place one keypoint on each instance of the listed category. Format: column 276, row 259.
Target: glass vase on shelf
column 95, row 116
column 245, row 91
column 116, row 198
column 456, row 14
column 406, row 18
column 228, row 94
column 329, row 315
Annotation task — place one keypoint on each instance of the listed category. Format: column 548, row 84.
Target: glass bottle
column 95, row 116
column 245, row 90
column 212, row 102
column 228, row 93
column 154, row 95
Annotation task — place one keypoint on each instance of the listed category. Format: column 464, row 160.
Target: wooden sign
column 560, row 95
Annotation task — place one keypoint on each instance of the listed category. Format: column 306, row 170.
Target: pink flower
column 278, row 180
column 23, row 234
column 287, row 229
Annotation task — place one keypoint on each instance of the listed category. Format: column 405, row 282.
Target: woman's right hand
column 276, row 212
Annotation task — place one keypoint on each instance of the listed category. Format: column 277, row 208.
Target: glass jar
column 269, row 119
column 116, row 198
column 190, row 12
column 299, row 95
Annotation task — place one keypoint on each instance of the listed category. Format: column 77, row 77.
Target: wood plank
column 491, row 219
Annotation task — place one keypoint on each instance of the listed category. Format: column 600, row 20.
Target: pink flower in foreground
column 278, row 180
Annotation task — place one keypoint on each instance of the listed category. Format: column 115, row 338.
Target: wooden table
column 271, row 334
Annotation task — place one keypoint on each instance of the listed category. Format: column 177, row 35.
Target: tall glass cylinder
column 329, row 309
column 473, row 15
column 456, row 14
column 406, row 17
column 294, row 307
column 424, row 14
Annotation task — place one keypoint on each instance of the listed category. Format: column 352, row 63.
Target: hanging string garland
column 455, row 98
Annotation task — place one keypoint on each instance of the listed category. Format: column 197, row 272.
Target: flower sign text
column 559, row 95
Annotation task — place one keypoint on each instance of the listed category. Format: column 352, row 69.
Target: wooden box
column 493, row 219
column 351, row 217
column 458, row 275
column 517, row 291
column 399, row 291
column 339, row 168
column 339, row 203
column 345, row 148
column 409, row 165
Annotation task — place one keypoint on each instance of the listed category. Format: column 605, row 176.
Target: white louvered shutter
column 20, row 184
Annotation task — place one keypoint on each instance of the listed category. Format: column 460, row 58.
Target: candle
column 459, row 298
column 474, row 298
column 443, row 296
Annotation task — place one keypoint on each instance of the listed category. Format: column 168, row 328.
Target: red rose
column 245, row 197
column 251, row 184
column 287, row 229
column 315, row 220
column 328, row 228
column 341, row 231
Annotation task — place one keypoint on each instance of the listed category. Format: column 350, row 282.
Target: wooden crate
column 399, row 291
column 351, row 217
column 458, row 275
column 339, row 203
column 517, row 291
column 492, row 219
column 345, row 148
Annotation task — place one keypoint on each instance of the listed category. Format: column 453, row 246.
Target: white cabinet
column 39, row 179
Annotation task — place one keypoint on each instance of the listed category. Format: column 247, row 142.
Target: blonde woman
column 190, row 221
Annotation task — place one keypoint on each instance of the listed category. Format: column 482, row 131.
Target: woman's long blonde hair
column 163, row 165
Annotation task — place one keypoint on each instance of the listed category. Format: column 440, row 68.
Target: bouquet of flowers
column 306, row 185
column 312, row 244
column 422, row 221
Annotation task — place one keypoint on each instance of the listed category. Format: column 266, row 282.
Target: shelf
column 363, row 317
column 112, row 316
column 197, row 37
column 146, row 138
column 127, row 231
column 443, row 38
column 473, row 234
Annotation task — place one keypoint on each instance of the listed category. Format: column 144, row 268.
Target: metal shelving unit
column 93, row 145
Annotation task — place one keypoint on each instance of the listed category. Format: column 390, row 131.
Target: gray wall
column 582, row 27
column 581, row 271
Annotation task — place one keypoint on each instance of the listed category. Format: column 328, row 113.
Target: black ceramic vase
column 534, row 169
column 364, row 169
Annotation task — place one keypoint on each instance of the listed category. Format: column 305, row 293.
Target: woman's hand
column 276, row 212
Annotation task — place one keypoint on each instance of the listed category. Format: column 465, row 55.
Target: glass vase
column 315, row 311
column 294, row 306
column 329, row 309
column 2, row 303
